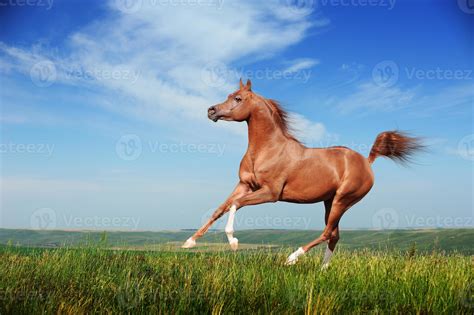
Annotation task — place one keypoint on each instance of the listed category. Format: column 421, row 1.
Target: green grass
column 385, row 272
column 99, row 280
column 449, row 240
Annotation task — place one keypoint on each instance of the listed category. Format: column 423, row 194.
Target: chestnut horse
column 277, row 167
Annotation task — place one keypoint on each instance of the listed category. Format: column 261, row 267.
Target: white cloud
column 309, row 132
column 149, row 63
column 452, row 99
column 301, row 64
column 371, row 97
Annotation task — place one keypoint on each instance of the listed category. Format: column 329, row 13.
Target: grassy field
column 448, row 240
column 159, row 277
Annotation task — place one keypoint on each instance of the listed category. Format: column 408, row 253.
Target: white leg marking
column 293, row 258
column 190, row 243
column 326, row 259
column 229, row 229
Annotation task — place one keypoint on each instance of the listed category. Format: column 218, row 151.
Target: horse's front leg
column 259, row 196
column 238, row 192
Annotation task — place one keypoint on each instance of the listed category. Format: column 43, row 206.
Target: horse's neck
column 263, row 132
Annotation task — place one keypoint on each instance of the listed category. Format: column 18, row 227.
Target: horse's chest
column 250, row 179
column 254, row 174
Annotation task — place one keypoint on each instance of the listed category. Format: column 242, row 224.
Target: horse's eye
column 238, row 99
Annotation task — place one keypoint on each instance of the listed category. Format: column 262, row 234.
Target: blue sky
column 103, row 107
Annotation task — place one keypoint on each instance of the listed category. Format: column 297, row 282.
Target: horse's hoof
column 190, row 243
column 234, row 244
column 293, row 258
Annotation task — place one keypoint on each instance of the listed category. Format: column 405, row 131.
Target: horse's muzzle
column 212, row 114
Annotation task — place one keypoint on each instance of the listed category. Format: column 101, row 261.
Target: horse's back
column 320, row 173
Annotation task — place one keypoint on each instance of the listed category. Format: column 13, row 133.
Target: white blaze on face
column 229, row 228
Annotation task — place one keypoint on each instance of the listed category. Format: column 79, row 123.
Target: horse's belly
column 308, row 193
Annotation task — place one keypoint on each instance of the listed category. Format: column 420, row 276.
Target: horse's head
column 237, row 107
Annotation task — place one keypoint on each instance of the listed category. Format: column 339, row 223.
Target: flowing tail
column 395, row 145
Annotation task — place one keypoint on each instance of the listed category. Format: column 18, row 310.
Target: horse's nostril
column 212, row 109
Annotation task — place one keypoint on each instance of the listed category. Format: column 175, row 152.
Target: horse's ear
column 241, row 84
column 249, row 85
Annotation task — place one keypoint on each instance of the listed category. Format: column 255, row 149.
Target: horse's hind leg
column 337, row 210
column 334, row 236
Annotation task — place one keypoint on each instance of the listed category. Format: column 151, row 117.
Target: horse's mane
column 282, row 117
